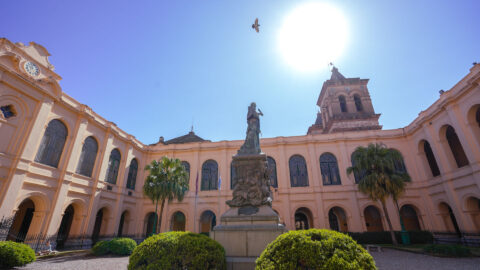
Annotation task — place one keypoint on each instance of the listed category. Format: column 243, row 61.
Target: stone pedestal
column 250, row 224
column 245, row 236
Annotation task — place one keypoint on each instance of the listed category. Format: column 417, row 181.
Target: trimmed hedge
column 416, row 237
column 314, row 249
column 448, row 250
column 117, row 246
column 15, row 254
column 178, row 250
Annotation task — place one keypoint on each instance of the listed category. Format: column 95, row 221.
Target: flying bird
column 256, row 26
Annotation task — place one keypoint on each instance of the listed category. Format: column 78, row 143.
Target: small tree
column 377, row 167
column 167, row 179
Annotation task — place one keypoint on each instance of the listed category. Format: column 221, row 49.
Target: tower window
column 358, row 103
column 343, row 103
column 8, row 111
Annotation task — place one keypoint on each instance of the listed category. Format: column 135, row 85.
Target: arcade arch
column 178, row 221
column 337, row 219
column 208, row 220
column 303, row 219
column 373, row 219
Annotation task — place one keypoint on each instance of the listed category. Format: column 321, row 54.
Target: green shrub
column 178, row 250
column 420, row 237
column 314, row 249
column 122, row 246
column 448, row 250
column 15, row 254
column 372, row 237
column 100, row 248
column 116, row 246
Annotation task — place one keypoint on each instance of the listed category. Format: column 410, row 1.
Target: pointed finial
column 191, row 129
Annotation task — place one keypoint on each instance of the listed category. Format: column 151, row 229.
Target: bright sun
column 312, row 35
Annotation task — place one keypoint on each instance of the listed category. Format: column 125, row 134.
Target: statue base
column 245, row 232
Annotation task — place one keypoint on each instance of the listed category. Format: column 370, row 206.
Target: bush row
column 448, row 250
column 15, row 254
column 116, row 246
column 416, row 237
column 308, row 249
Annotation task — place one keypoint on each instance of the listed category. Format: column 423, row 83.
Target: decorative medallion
column 31, row 68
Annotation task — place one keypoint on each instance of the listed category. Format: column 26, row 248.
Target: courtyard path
column 79, row 262
column 389, row 259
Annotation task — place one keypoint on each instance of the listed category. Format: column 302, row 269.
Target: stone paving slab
column 391, row 259
column 82, row 261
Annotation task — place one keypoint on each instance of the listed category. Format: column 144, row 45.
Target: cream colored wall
column 54, row 189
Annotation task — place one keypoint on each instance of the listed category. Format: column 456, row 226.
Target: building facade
column 65, row 170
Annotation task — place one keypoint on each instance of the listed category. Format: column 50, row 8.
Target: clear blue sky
column 154, row 66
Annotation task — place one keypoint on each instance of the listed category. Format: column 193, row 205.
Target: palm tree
column 167, row 180
column 380, row 176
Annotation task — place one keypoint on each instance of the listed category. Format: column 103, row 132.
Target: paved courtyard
column 80, row 262
column 391, row 259
column 388, row 259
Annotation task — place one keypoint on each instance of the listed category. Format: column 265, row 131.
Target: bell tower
column 345, row 105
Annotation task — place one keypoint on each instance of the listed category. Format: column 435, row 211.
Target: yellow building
column 66, row 171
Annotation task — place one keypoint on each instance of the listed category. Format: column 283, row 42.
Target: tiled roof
column 188, row 138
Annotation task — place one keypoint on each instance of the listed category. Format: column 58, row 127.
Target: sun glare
column 312, row 35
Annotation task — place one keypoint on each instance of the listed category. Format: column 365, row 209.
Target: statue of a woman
column 252, row 141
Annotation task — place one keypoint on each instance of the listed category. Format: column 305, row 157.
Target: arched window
column 113, row 165
column 209, row 175
column 272, row 171
column 233, row 174
column 358, row 176
column 186, row 165
column 343, row 103
column 8, row 111
column 52, row 144
column 329, row 168
column 432, row 162
column 87, row 157
column 456, row 147
column 358, row 103
column 400, row 164
column 132, row 174
column 298, row 171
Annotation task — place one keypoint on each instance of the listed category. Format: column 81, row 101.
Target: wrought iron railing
column 40, row 241
column 466, row 239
